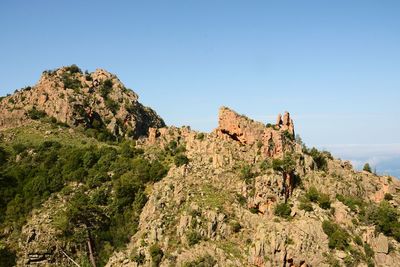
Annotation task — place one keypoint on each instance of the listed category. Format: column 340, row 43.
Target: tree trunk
column 90, row 249
column 287, row 184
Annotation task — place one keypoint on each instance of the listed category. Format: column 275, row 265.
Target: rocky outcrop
column 285, row 123
column 238, row 127
column 299, row 244
column 274, row 139
column 94, row 100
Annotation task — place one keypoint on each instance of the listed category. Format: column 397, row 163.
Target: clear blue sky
column 335, row 65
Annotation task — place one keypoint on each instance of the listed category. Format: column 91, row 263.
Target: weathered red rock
column 246, row 131
column 239, row 128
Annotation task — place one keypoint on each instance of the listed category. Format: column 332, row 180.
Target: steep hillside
column 73, row 192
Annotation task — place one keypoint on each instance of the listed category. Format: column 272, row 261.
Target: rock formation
column 239, row 128
column 72, row 97
column 275, row 139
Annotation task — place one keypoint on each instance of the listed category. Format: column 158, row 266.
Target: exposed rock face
column 239, row 128
column 287, row 123
column 95, row 98
column 275, row 139
column 382, row 244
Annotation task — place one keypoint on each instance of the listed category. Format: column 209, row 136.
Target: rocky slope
column 209, row 210
column 246, row 194
column 90, row 99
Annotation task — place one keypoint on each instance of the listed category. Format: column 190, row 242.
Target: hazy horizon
column 334, row 65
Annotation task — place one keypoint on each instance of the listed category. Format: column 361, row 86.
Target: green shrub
column 193, row 238
column 353, row 202
column 3, row 156
column 204, row 261
column 287, row 164
column 367, row 168
column 246, row 173
column 338, row 237
column 315, row 196
column 128, row 150
column 35, row 114
column 200, row 136
column 139, row 258
column 254, row 210
column 306, row 205
column 156, row 255
column 386, row 220
column 312, row 194
column 357, row 239
column 265, row 165
column 241, row 199
column 259, row 144
column 157, row 171
column 369, row 252
column 324, row 201
column 236, row 227
column 181, row 160
column 388, row 197
column 174, row 149
column 8, row 258
column 319, row 158
column 73, row 69
column 349, row 261
column 288, row 135
column 112, row 105
column 106, row 88
column 70, row 81
column 87, row 76
column 283, row 210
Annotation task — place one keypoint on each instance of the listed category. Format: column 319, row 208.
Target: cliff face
column 75, row 98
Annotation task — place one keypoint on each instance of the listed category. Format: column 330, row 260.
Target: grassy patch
column 213, row 197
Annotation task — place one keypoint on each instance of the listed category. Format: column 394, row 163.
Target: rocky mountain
column 246, row 194
column 70, row 96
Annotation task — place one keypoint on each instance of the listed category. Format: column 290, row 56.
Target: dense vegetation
column 35, row 114
column 320, row 158
column 313, row 195
column 338, row 237
column 104, row 184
